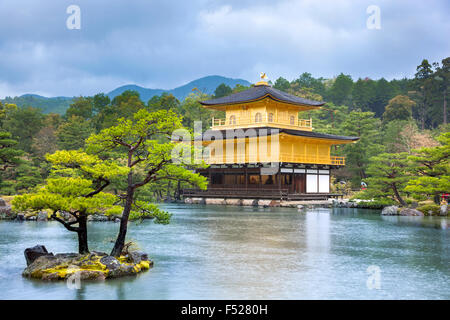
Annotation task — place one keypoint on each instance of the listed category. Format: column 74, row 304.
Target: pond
column 218, row 252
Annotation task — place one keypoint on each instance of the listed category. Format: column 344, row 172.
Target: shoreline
column 6, row 212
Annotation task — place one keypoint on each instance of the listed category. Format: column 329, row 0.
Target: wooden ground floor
column 281, row 182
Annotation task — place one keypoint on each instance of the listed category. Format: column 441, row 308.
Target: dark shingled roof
column 259, row 92
column 207, row 135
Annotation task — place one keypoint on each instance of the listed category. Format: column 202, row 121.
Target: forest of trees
column 392, row 118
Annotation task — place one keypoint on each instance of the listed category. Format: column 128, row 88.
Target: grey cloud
column 166, row 43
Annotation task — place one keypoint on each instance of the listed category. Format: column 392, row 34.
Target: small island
column 90, row 266
column 84, row 183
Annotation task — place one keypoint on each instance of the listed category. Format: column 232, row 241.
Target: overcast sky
column 164, row 44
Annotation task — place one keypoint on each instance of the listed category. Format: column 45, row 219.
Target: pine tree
column 76, row 186
column 365, row 126
column 388, row 176
column 432, row 167
column 9, row 155
column 143, row 145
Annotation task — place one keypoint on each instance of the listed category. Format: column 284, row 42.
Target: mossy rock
column 430, row 209
column 92, row 266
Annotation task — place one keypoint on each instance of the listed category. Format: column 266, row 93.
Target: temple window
column 270, row 117
column 258, row 117
column 292, row 120
column 232, row 119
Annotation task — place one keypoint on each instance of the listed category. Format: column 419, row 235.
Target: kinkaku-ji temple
column 262, row 150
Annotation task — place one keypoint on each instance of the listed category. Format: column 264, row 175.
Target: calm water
column 210, row 252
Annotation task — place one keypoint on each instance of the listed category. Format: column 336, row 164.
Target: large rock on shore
column 91, row 266
column 396, row 211
column 410, row 212
column 35, row 252
column 390, row 211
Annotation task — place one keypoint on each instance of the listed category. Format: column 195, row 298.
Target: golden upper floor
column 262, row 106
column 261, row 114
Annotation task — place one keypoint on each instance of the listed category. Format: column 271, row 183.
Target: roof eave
column 220, row 105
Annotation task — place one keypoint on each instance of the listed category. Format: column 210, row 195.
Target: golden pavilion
column 262, row 150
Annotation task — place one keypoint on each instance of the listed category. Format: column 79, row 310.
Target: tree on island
column 75, row 186
column 143, row 145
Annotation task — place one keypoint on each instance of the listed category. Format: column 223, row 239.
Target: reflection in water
column 210, row 252
column 423, row 222
column 80, row 293
column 318, row 231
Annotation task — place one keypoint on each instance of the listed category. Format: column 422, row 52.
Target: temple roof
column 207, row 135
column 259, row 92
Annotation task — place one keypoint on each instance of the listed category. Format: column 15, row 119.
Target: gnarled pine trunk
column 120, row 241
column 397, row 195
column 82, row 234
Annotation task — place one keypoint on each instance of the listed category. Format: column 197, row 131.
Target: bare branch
column 118, row 141
column 65, row 224
column 150, row 174
column 100, row 189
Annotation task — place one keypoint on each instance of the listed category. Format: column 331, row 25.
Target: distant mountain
column 60, row 104
column 206, row 84
column 145, row 93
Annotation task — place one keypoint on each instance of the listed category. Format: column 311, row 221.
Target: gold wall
column 265, row 112
column 277, row 148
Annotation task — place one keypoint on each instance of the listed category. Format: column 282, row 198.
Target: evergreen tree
column 239, row 87
column 222, row 90
column 81, row 107
column 367, row 128
column 306, row 80
column 9, row 155
column 387, row 176
column 23, row 124
column 72, row 134
column 26, row 176
column 443, row 82
column 364, row 94
column 76, row 187
column 431, row 165
column 282, row 84
column 100, row 101
column 142, row 143
column 383, row 92
column 340, row 91
column 423, row 84
column 399, row 108
column 193, row 111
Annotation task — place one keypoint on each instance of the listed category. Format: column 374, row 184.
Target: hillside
column 60, row 104
column 206, row 84
column 48, row 105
